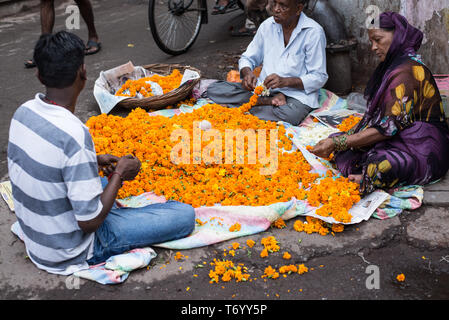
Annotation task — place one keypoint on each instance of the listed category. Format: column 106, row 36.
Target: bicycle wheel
column 175, row 24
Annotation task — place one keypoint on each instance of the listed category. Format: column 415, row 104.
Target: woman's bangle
column 340, row 143
column 115, row 172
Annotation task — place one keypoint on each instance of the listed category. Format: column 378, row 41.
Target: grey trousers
column 233, row 95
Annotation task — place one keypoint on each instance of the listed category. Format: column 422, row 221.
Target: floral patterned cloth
column 410, row 112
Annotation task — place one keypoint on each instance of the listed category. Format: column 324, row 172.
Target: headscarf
column 406, row 41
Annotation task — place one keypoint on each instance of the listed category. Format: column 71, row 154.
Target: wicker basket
column 170, row 98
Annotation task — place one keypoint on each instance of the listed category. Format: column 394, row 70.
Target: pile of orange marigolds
column 205, row 184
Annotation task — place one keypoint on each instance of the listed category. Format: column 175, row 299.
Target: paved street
column 415, row 243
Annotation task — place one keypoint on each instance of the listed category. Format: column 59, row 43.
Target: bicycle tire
column 161, row 23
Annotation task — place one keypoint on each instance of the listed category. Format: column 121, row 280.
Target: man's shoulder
column 267, row 24
column 59, row 127
column 312, row 24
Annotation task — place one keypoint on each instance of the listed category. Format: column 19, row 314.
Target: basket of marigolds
column 151, row 87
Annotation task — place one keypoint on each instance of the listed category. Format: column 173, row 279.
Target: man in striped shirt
column 67, row 220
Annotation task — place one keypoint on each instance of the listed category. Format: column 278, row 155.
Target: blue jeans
column 129, row 228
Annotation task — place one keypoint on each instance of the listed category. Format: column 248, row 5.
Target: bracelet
column 340, row 143
column 115, row 172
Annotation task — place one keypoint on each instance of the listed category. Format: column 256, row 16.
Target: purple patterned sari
column 405, row 105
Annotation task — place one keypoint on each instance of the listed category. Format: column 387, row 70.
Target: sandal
column 243, row 32
column 30, row 64
column 218, row 9
column 92, row 44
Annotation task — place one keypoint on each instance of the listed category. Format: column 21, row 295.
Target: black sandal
column 92, row 44
column 30, row 64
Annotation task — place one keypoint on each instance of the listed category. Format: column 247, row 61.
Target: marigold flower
column 270, row 272
column 349, row 123
column 286, row 256
column 235, row 227
column 179, row 256
column 302, row 269
column 279, row 223
column 250, row 243
column 400, row 277
column 338, row 227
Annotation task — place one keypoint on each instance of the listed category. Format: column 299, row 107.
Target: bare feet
column 279, row 100
column 357, row 178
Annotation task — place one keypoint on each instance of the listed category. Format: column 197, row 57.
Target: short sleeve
column 84, row 189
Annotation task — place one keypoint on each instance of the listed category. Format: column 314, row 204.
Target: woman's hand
column 324, row 148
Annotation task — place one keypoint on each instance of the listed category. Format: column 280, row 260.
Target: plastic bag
column 357, row 102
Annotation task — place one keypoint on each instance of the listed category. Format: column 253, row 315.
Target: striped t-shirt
column 55, row 183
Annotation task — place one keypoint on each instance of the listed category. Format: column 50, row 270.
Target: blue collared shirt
column 304, row 57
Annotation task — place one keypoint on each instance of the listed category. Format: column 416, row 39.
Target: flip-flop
column 92, row 44
column 30, row 64
column 222, row 9
column 247, row 33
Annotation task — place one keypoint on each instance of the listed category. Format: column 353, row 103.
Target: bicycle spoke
column 176, row 29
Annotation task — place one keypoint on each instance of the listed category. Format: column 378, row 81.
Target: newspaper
column 334, row 118
column 360, row 211
column 6, row 192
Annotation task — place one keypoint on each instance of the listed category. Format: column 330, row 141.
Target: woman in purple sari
column 403, row 138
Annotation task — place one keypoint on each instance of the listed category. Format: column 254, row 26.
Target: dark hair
column 58, row 58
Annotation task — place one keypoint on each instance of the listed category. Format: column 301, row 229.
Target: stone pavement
column 414, row 243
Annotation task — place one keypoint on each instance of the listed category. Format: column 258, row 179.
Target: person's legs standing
column 47, row 16
column 93, row 43
column 88, row 16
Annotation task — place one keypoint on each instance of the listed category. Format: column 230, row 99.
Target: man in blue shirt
column 292, row 49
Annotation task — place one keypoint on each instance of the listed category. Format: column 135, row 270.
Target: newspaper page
column 333, row 118
column 6, row 192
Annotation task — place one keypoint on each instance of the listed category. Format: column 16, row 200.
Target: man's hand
column 128, row 167
column 273, row 81
column 107, row 163
column 249, row 81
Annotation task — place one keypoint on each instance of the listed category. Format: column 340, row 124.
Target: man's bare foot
column 357, row 178
column 279, row 100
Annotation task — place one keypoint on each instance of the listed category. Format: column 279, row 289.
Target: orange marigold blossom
column 148, row 138
column 400, row 277
column 179, row 256
column 349, row 123
column 302, row 269
column 250, row 243
column 270, row 272
column 167, row 83
column 270, row 245
column 228, row 271
column 279, row 223
column 288, row 269
column 235, row 227
column 286, row 256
